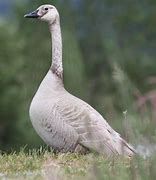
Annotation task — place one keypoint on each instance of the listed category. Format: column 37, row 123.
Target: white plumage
column 63, row 121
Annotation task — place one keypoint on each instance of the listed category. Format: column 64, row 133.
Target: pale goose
column 63, row 121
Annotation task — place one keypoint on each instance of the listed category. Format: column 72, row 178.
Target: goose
column 63, row 121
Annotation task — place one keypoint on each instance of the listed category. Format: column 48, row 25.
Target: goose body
column 63, row 121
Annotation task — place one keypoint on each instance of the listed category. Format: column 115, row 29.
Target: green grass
column 42, row 164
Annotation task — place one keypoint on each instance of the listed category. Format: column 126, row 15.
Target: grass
column 42, row 164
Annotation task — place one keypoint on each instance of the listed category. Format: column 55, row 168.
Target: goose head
column 45, row 12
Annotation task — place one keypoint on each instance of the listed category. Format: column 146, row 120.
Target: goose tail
column 126, row 149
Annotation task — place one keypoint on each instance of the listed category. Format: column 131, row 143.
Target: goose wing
column 93, row 130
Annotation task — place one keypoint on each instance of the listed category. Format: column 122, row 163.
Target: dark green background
column 109, row 57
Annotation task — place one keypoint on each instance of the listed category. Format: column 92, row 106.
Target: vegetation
column 42, row 164
column 109, row 48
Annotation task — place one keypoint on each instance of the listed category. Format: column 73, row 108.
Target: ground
column 42, row 164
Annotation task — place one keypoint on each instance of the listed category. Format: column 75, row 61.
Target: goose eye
column 46, row 9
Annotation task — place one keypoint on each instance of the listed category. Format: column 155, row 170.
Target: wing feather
column 93, row 130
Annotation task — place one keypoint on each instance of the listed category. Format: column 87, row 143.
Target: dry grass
column 42, row 164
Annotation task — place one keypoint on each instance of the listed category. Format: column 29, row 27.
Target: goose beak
column 33, row 14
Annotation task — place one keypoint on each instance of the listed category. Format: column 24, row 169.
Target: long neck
column 56, row 66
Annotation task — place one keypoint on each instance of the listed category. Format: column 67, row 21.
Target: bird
column 63, row 121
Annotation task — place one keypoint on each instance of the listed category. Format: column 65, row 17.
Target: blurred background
column 109, row 57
